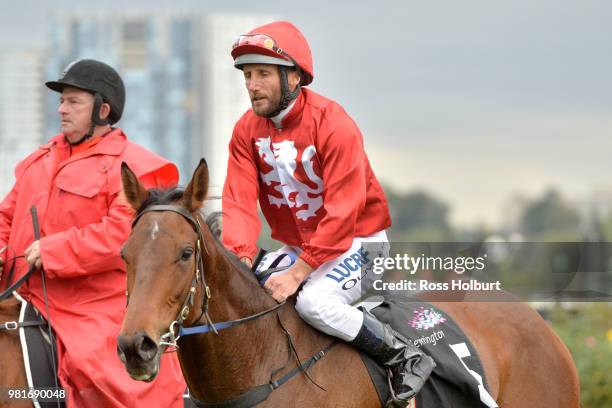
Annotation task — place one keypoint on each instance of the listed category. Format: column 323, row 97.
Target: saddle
column 37, row 350
column 458, row 379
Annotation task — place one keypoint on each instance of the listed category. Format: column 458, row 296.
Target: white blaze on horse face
column 154, row 231
column 283, row 158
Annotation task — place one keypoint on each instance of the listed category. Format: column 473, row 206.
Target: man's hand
column 32, row 254
column 247, row 261
column 281, row 286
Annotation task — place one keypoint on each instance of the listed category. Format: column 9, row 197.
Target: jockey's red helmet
column 277, row 43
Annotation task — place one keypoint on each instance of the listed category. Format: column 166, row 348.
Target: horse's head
column 162, row 255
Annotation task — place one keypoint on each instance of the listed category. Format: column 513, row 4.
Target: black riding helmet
column 99, row 79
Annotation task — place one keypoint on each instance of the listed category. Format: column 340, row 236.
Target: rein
column 11, row 270
column 259, row 393
column 8, row 292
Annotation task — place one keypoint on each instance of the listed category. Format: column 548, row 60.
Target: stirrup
column 393, row 401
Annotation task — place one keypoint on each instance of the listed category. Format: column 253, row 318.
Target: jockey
column 74, row 181
column 303, row 157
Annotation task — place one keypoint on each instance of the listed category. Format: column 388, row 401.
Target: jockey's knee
column 328, row 314
column 308, row 306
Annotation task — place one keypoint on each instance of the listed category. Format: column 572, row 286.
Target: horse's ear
column 196, row 190
column 135, row 193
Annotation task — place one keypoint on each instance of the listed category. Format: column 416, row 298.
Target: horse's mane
column 213, row 220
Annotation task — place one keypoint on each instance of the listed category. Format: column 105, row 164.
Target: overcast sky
column 470, row 100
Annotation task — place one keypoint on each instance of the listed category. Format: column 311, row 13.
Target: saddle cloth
column 458, row 380
column 37, row 356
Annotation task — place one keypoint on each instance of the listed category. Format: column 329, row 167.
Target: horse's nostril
column 120, row 352
column 123, row 346
column 145, row 347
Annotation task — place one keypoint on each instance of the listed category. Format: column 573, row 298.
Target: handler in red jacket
column 302, row 156
column 75, row 183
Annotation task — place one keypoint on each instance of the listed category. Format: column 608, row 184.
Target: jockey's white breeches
column 326, row 298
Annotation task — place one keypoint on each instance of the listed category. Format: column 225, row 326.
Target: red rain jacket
column 84, row 222
column 312, row 177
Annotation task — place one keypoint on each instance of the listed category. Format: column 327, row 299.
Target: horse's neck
column 220, row 367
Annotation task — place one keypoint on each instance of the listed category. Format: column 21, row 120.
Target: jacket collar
column 295, row 114
column 112, row 144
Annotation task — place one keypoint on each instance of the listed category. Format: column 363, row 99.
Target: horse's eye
column 187, row 253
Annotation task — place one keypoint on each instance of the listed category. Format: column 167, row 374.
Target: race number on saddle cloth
column 458, row 379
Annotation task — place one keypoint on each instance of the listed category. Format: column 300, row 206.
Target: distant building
column 155, row 55
column 183, row 94
column 225, row 98
column 21, row 110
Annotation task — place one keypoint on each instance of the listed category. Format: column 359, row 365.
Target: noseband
column 170, row 338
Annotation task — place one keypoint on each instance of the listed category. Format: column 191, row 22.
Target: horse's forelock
column 171, row 196
column 213, row 220
column 161, row 197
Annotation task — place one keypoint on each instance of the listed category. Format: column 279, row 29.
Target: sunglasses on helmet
column 260, row 40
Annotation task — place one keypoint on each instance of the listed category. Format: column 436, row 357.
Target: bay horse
column 176, row 266
column 12, row 371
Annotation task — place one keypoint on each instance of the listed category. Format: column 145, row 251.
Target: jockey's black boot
column 409, row 366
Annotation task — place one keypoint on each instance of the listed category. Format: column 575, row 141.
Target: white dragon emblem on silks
column 282, row 157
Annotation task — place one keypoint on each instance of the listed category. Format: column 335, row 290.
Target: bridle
column 254, row 395
column 170, row 337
